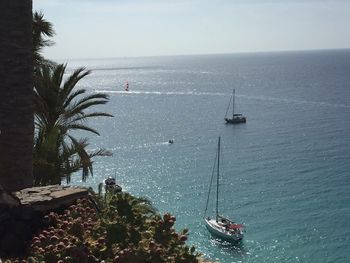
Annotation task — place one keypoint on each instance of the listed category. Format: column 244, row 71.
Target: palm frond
column 42, row 26
column 81, row 127
column 83, row 117
column 41, row 29
column 77, row 109
column 72, row 80
column 72, row 96
column 95, row 96
column 86, row 163
column 100, row 152
column 57, row 76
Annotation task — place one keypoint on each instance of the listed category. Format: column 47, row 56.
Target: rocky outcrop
column 48, row 198
column 21, row 213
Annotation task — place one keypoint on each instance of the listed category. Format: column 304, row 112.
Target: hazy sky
column 122, row 28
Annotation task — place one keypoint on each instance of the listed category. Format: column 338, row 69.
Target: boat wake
column 140, row 146
column 248, row 97
column 141, row 92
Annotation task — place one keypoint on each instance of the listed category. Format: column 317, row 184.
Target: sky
column 129, row 28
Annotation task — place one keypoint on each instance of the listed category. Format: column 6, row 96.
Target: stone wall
column 21, row 213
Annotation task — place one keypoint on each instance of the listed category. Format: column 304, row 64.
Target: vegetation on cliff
column 117, row 228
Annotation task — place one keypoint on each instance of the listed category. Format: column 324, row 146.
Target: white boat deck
column 223, row 230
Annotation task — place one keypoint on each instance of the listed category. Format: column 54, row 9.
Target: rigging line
column 217, row 182
column 228, row 107
column 222, row 170
column 211, row 182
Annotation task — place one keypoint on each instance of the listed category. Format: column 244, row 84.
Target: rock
column 21, row 213
column 50, row 197
column 7, row 199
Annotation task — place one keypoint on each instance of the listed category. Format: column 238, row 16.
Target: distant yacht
column 236, row 117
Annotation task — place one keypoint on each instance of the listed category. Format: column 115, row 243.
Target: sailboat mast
column 233, row 103
column 217, row 182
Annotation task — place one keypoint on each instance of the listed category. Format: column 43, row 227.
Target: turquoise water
column 285, row 173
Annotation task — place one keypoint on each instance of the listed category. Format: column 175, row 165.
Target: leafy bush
column 117, row 228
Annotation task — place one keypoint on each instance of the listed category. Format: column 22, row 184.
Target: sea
column 285, row 174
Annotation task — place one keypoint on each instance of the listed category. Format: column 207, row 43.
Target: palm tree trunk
column 16, row 94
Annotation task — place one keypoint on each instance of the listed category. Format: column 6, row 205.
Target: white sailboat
column 236, row 117
column 220, row 226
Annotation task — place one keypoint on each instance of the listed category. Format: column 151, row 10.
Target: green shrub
column 117, row 228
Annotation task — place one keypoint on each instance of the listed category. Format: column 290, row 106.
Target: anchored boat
column 220, row 226
column 109, row 185
column 236, row 117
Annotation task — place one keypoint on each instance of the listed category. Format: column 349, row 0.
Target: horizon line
column 205, row 54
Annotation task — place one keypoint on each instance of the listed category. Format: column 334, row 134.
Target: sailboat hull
column 236, row 120
column 220, row 231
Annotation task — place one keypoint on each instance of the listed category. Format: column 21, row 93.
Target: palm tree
column 59, row 110
column 42, row 29
column 16, row 89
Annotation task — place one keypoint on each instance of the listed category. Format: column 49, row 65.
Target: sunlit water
column 285, row 173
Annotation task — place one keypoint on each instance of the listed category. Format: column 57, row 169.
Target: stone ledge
column 50, row 197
